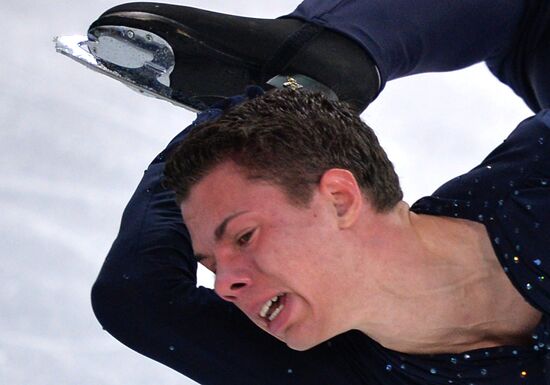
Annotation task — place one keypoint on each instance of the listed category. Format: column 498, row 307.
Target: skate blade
column 136, row 67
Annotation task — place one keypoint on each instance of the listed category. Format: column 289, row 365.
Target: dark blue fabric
column 407, row 37
column 509, row 192
column 146, row 294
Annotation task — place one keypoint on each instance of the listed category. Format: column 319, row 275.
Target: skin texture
column 414, row 283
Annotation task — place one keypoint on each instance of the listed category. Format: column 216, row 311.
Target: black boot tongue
column 304, row 82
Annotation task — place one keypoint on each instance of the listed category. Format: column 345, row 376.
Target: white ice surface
column 73, row 145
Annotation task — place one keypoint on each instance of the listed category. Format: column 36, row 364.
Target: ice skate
column 194, row 58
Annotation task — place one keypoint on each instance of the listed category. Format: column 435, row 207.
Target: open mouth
column 272, row 307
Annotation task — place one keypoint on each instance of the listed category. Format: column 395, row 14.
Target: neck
column 434, row 285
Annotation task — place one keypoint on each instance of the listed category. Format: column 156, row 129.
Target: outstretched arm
column 146, row 297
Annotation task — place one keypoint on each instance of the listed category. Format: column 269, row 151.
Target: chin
column 300, row 348
column 302, row 337
column 301, row 344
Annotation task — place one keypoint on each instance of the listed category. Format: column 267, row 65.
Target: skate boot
column 194, row 58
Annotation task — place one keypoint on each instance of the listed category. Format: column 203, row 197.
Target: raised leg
column 409, row 37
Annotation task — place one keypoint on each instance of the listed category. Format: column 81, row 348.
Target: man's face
column 261, row 247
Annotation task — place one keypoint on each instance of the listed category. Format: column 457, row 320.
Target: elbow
column 105, row 300
column 115, row 304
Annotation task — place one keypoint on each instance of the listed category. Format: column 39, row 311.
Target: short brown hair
column 289, row 138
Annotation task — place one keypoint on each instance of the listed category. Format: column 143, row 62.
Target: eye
column 244, row 239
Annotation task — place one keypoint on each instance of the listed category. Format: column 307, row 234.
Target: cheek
column 295, row 245
column 277, row 251
column 293, row 255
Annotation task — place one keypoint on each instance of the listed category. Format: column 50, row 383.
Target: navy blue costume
column 146, row 294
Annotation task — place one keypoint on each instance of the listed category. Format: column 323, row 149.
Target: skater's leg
column 403, row 37
column 526, row 67
column 408, row 37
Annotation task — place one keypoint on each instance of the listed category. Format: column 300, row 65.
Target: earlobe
column 342, row 189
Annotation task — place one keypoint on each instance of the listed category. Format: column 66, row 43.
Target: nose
column 231, row 284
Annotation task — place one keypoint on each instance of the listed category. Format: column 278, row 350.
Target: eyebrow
column 220, row 230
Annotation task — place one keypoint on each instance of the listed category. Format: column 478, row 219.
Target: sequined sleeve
column 521, row 230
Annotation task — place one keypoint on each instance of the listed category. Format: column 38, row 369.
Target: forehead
column 227, row 190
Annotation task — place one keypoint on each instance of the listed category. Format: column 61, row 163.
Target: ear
column 342, row 189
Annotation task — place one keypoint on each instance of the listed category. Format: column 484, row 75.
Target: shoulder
column 509, row 192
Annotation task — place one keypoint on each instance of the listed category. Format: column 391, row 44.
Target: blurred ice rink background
column 73, row 145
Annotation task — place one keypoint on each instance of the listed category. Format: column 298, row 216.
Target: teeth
column 267, row 306
column 276, row 312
